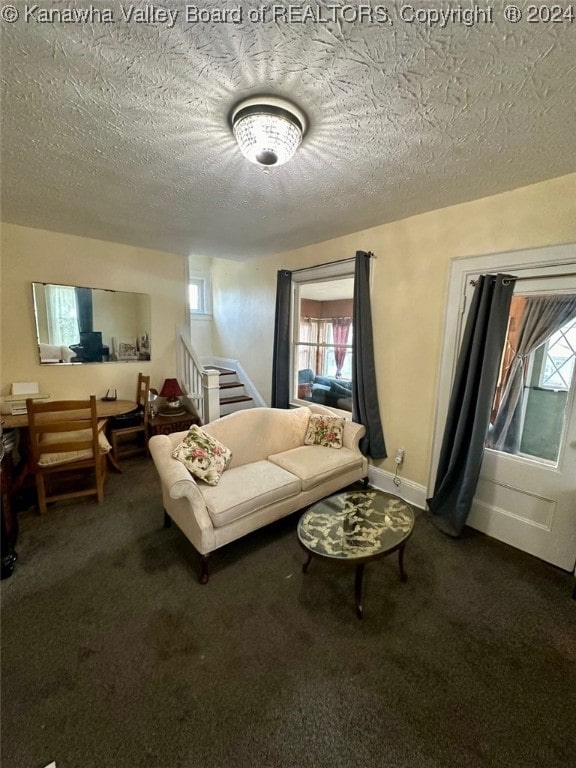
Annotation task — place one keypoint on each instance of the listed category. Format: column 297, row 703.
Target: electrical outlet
column 399, row 455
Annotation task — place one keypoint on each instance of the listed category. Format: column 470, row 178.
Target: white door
column 526, row 500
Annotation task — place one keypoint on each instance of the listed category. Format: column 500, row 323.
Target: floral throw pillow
column 325, row 430
column 202, row 455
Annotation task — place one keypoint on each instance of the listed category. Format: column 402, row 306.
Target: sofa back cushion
column 256, row 433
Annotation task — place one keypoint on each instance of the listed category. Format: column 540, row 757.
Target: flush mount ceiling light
column 268, row 130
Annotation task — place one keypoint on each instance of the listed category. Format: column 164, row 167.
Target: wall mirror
column 75, row 324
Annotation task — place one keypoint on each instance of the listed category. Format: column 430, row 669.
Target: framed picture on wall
column 125, row 348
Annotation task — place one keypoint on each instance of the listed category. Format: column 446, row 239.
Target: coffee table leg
column 403, row 576
column 358, row 589
column 306, row 564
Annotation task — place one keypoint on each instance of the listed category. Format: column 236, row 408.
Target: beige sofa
column 55, row 353
column 270, row 475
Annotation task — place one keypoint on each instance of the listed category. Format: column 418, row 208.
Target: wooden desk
column 104, row 409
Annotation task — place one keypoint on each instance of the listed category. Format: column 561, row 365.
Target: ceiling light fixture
column 268, row 130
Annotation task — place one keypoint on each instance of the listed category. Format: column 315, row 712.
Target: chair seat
column 65, row 457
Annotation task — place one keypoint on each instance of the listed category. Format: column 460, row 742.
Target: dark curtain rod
column 329, row 263
column 513, row 278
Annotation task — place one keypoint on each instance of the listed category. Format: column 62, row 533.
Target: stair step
column 221, row 371
column 233, row 395
column 229, row 405
column 236, row 399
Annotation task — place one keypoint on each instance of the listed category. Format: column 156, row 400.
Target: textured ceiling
column 119, row 131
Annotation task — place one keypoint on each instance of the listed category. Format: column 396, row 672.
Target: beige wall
column 29, row 255
column 410, row 278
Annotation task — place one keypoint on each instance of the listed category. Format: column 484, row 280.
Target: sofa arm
column 176, row 481
column 353, row 433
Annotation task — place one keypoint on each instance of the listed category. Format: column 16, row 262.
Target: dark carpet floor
column 113, row 655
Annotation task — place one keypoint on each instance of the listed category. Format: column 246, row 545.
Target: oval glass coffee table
column 354, row 528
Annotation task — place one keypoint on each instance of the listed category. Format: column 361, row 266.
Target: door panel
column 522, row 499
column 527, row 503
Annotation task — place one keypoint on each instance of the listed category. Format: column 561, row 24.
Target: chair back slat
column 53, row 425
column 71, row 429
column 143, row 396
column 130, row 436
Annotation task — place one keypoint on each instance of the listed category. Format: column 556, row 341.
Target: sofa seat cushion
column 314, row 464
column 246, row 489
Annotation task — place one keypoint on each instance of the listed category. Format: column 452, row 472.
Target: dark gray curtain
column 365, row 409
column 84, row 309
column 542, row 316
column 281, row 355
column 470, row 403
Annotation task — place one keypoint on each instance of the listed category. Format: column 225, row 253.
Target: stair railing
column 202, row 385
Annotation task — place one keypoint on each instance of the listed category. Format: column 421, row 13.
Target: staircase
column 233, row 395
column 216, row 386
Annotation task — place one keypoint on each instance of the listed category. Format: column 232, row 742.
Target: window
column 199, row 293
column 322, row 333
column 558, row 359
column 196, row 291
column 530, row 419
column 62, row 315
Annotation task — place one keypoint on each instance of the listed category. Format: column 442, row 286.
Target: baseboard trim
column 414, row 493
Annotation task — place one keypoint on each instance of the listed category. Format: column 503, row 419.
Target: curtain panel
column 62, row 311
column 340, row 333
column 85, row 313
column 470, row 405
column 365, row 408
column 281, row 353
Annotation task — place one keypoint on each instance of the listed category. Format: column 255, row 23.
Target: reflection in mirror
column 90, row 325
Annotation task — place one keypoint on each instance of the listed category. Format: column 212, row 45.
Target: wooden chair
column 66, row 435
column 131, row 437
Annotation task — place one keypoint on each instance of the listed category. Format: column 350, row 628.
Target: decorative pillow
column 325, row 430
column 202, row 455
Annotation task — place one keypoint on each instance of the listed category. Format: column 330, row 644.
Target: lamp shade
column 268, row 130
column 171, row 389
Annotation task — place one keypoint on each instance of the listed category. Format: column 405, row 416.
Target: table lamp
column 172, row 405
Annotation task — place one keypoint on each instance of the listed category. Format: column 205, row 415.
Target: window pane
column 62, row 315
column 196, row 295
column 537, row 418
column 560, row 353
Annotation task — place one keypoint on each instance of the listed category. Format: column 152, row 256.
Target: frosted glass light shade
column 268, row 131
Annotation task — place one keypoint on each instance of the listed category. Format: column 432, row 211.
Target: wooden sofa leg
column 204, row 569
column 365, row 482
column 167, row 520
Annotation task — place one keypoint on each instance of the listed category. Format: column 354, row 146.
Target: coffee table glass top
column 355, row 525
